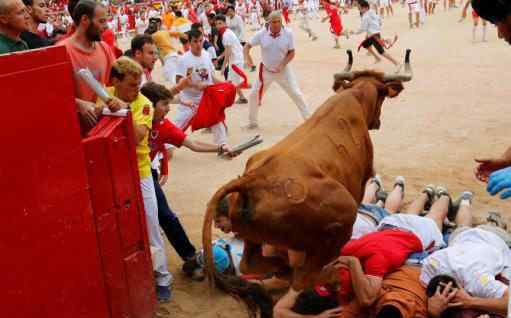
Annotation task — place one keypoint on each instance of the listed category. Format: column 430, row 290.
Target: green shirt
column 8, row 45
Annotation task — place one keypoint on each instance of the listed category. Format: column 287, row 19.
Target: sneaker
column 163, row 294
column 250, row 126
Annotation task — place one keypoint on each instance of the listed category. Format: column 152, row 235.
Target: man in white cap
column 277, row 51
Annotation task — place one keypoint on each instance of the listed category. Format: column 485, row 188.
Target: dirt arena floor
column 455, row 109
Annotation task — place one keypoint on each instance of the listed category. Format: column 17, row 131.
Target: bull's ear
column 392, row 89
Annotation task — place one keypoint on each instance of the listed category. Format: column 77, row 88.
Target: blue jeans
column 171, row 225
column 373, row 211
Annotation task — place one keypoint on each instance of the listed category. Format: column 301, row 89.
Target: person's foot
column 314, row 38
column 250, row 126
column 337, row 46
column 242, row 100
column 429, row 190
column 163, row 294
column 496, row 219
column 206, row 131
column 465, row 198
column 441, row 191
column 377, row 60
column 400, row 182
column 381, row 195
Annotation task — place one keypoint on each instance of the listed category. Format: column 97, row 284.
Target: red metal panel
column 48, row 239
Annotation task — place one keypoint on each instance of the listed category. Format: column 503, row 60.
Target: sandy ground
column 454, row 110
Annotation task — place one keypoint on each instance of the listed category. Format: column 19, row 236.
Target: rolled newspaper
column 96, row 86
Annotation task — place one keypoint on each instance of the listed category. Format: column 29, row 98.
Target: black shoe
column 163, row 294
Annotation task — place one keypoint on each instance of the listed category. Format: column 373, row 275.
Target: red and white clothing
column 379, row 253
column 163, row 133
column 334, row 19
column 201, row 68
column 236, row 59
column 274, row 49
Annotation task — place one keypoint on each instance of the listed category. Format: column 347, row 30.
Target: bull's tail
column 252, row 295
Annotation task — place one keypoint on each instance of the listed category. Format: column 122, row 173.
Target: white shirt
column 230, row 39
column 273, row 50
column 424, row 228
column 362, row 226
column 140, row 25
column 236, row 25
column 474, row 257
column 124, row 19
column 371, row 23
column 205, row 23
column 202, row 71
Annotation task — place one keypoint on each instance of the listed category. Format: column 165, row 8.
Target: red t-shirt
column 380, row 253
column 163, row 133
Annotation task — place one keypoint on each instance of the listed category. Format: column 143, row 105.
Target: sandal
column 431, row 193
column 496, row 218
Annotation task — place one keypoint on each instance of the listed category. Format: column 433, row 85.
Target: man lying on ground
column 471, row 262
column 403, row 295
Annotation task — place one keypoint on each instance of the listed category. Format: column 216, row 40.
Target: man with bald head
column 13, row 21
column 277, row 51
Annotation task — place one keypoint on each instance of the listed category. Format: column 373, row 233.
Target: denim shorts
column 375, row 212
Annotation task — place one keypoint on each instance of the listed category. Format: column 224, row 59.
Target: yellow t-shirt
column 142, row 114
column 163, row 41
column 168, row 19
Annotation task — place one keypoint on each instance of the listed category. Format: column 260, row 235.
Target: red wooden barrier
column 72, row 229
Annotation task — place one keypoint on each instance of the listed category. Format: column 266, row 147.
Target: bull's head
column 373, row 87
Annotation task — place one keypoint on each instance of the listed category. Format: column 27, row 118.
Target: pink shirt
column 99, row 62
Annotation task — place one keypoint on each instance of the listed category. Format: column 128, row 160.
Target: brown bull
column 302, row 194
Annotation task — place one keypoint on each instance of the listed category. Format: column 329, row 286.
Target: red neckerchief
column 274, row 35
column 222, row 30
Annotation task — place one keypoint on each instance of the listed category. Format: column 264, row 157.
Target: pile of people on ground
column 429, row 259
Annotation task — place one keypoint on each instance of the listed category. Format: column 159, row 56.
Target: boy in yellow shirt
column 126, row 77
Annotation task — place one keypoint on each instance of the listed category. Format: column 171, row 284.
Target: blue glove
column 500, row 180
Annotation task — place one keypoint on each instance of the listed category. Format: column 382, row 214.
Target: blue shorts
column 375, row 212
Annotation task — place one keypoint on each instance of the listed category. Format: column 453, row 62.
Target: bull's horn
column 406, row 75
column 346, row 74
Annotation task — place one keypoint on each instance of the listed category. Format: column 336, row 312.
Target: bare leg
column 417, row 206
column 390, row 58
column 439, row 211
column 417, row 19
column 395, row 198
column 464, row 216
column 371, row 51
column 370, row 192
column 241, row 96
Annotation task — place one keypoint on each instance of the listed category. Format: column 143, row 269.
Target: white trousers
column 304, row 24
column 183, row 116
column 161, row 273
column 287, row 81
column 169, row 68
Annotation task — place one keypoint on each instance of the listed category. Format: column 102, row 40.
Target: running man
column 371, row 25
column 277, row 51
